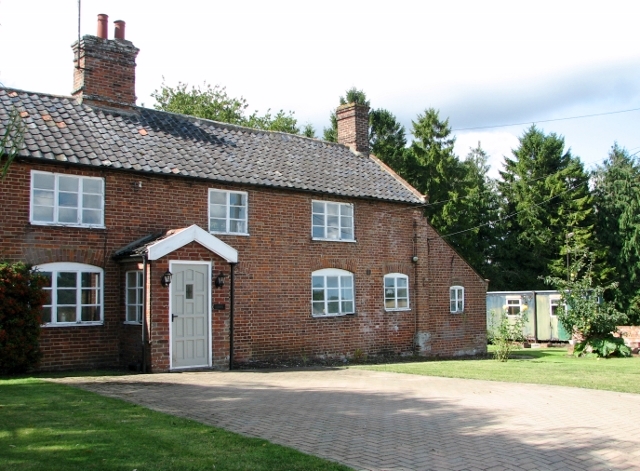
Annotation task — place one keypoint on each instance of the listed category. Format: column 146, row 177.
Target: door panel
column 190, row 292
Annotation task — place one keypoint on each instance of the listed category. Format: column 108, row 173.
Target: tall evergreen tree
column 617, row 201
column 546, row 211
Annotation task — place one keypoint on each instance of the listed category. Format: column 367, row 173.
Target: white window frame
column 557, row 301
column 136, row 304
column 456, row 299
column 56, row 207
column 391, row 292
column 508, row 305
column 340, row 220
column 228, row 218
column 346, row 284
column 78, row 269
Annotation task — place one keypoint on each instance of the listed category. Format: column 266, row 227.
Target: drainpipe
column 535, row 318
column 231, row 309
column 144, row 312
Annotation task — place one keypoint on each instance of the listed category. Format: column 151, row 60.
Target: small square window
column 396, row 292
column 332, row 221
column 456, row 299
column 228, row 212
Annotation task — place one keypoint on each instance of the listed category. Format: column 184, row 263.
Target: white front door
column 190, row 315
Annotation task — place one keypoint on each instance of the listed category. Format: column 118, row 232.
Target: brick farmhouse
column 172, row 242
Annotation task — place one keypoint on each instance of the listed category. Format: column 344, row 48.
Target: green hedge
column 21, row 299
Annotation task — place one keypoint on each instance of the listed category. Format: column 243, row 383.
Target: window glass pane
column 347, row 294
column 89, row 296
column 42, row 213
column 318, row 207
column 132, row 296
column 217, row 211
column 333, row 209
column 43, row 198
column 390, row 293
column 333, row 233
column 69, row 200
column 44, row 181
column 333, row 307
column 318, row 281
column 68, row 184
column 318, row 295
column 218, row 197
column 237, row 227
column 460, row 305
column 390, row 303
column 318, row 220
column 91, row 185
column 132, row 278
column 90, row 313
column 346, row 210
column 333, row 294
column 333, row 221
column 318, row 232
column 46, row 315
column 68, row 215
column 237, row 212
column 139, row 314
column 346, row 233
column 92, row 201
column 347, row 281
column 66, row 314
column 131, row 313
column 218, row 225
column 66, row 296
column 66, row 279
column 402, row 282
column 403, row 303
column 237, row 199
column 389, row 281
column 91, row 216
column 318, row 308
column 90, row 280
column 347, row 306
column 453, row 306
column 402, row 292
column 332, row 282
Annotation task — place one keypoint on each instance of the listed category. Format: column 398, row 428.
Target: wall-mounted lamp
column 166, row 279
column 219, row 281
column 414, row 259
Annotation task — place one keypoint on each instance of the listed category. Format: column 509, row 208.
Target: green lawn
column 542, row 366
column 55, row 427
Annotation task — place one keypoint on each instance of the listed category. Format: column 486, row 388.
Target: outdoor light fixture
column 219, row 282
column 166, row 279
column 414, row 259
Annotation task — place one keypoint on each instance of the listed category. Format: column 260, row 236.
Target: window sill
column 399, row 309
column 456, row 312
column 334, row 240
column 243, row 234
column 322, row 316
column 132, row 323
column 72, row 324
column 61, row 224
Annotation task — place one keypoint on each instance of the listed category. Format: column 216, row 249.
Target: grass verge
column 539, row 366
column 56, row 427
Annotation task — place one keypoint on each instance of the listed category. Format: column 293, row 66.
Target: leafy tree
column 11, row 140
column 387, row 139
column 616, row 190
column 545, row 202
column 434, row 170
column 213, row 102
column 309, row 131
column 21, row 299
column 586, row 313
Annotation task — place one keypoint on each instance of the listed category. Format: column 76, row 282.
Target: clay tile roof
column 145, row 140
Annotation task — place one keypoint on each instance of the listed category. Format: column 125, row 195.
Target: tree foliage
column 616, row 190
column 21, row 299
column 585, row 312
column 11, row 139
column 545, row 201
column 214, row 103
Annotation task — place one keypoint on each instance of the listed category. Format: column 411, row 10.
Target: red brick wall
column 353, row 126
column 273, row 277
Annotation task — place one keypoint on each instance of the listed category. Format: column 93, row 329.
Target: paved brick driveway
column 385, row 421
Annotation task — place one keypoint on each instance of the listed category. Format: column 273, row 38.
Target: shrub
column 586, row 314
column 21, row 299
column 506, row 333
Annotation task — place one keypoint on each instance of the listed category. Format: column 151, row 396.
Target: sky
column 482, row 64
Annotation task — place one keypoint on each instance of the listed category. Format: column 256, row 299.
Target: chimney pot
column 103, row 26
column 118, row 31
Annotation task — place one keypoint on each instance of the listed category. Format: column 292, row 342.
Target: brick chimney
column 353, row 126
column 105, row 69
